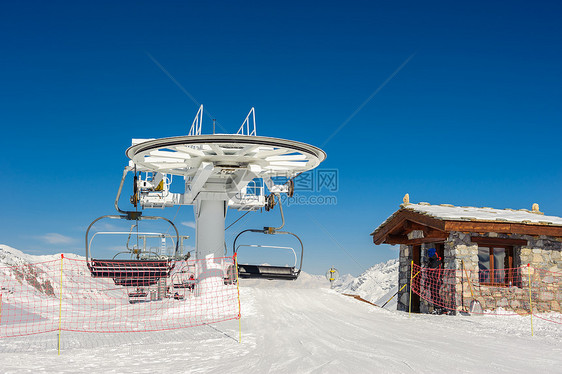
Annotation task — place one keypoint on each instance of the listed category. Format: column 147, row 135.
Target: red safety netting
column 504, row 291
column 109, row 296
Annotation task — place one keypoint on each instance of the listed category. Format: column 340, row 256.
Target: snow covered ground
column 303, row 327
column 304, row 330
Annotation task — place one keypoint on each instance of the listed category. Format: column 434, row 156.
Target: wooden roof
column 436, row 227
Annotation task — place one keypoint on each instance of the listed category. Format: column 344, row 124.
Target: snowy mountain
column 373, row 285
column 376, row 285
column 13, row 257
column 15, row 264
column 30, row 278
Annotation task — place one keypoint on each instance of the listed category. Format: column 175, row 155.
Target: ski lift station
column 489, row 256
column 216, row 172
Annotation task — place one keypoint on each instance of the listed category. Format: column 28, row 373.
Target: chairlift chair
column 143, row 269
column 138, row 293
column 230, row 276
column 179, row 283
column 269, row 271
column 137, row 296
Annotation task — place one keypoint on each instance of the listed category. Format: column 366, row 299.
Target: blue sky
column 466, row 107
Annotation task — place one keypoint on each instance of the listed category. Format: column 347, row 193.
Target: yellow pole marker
column 60, row 301
column 401, row 288
column 530, row 298
column 411, row 277
column 239, row 307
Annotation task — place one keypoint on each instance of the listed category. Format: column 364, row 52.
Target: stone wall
column 404, row 277
column 448, row 288
column 544, row 254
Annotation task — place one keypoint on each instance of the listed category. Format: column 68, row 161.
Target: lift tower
column 219, row 171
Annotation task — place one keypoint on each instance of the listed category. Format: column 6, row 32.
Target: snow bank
column 376, row 285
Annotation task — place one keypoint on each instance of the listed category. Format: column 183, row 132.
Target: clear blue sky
column 472, row 118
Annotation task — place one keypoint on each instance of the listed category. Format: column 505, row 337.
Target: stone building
column 494, row 252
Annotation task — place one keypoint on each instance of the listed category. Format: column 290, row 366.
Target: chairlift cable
column 232, row 224
column 173, row 219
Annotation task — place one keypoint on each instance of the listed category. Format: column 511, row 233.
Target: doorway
column 416, row 257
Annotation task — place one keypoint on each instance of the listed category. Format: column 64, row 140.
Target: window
column 495, row 265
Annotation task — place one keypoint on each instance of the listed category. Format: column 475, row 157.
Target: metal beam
column 201, row 176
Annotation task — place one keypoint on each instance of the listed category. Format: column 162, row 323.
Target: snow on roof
column 449, row 212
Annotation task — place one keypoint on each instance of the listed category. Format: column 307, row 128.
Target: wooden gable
column 398, row 229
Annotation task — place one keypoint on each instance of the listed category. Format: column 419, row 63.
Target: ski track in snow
column 303, row 330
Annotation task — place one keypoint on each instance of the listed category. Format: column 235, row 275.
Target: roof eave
column 381, row 233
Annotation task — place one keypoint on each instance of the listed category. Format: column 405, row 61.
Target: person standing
column 433, row 264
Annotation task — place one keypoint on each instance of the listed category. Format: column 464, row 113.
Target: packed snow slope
column 303, row 327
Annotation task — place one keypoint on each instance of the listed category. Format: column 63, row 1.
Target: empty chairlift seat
column 135, row 273
column 267, row 272
column 271, row 272
column 146, row 266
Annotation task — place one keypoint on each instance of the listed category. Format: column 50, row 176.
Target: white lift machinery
column 219, row 171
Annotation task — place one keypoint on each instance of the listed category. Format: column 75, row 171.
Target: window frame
column 508, row 244
column 507, row 266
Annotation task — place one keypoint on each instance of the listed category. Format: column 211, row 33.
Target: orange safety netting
column 503, row 291
column 116, row 296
